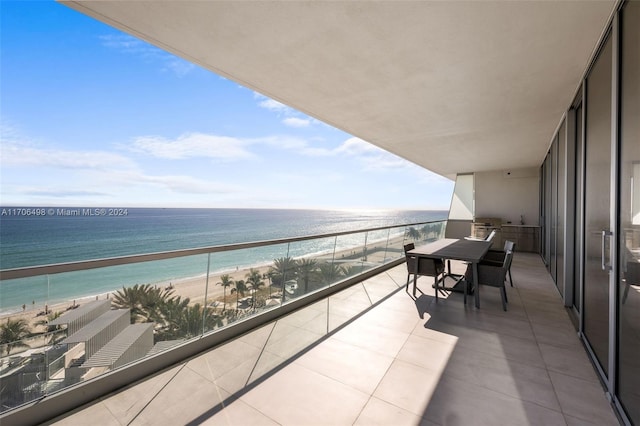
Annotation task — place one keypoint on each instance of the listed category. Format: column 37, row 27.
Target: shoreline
column 41, row 306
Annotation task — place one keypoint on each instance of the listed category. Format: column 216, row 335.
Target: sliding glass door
column 597, row 206
column 628, row 377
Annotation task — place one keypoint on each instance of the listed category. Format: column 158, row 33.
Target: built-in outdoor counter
column 526, row 237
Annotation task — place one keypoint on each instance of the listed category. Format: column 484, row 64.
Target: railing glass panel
column 177, row 296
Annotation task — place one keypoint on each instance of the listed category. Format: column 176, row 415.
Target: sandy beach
column 195, row 288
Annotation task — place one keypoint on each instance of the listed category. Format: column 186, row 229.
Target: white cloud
column 292, row 118
column 186, row 184
column 60, row 192
column 133, row 46
column 356, row 146
column 296, row 122
column 179, row 66
column 272, row 105
column 16, row 153
column 191, row 145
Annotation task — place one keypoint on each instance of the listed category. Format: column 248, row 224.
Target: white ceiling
column 453, row 86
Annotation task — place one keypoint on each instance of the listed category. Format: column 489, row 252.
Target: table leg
column 415, row 283
column 476, row 288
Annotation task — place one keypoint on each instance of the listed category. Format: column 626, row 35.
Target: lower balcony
column 402, row 361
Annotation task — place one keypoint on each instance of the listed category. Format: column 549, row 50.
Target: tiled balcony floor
column 405, row 361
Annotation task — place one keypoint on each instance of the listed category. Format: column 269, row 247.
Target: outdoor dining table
column 471, row 251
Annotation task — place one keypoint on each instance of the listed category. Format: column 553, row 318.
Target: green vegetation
column 12, row 332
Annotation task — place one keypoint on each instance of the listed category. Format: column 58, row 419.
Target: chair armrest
column 488, row 274
column 491, row 275
column 491, row 262
column 493, row 256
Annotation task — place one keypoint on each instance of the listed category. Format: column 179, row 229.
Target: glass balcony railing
column 100, row 316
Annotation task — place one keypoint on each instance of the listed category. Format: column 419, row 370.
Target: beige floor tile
column 299, row 396
column 493, row 344
column 567, row 361
column 359, row 368
column 426, row 353
column 408, row 386
column 127, row 404
column 382, row 413
column 457, row 402
column 372, row 337
column 561, row 334
column 185, row 398
column 220, row 361
column 502, row 375
column 392, row 319
column 97, row 414
column 236, row 413
column 288, row 341
column 583, row 399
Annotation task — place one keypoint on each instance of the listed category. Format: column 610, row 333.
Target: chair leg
column 407, row 286
column 626, row 292
column 466, row 290
column 435, row 285
column 510, row 279
column 503, row 292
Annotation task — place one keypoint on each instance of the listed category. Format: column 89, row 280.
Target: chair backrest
column 507, row 261
column 491, row 235
column 430, row 267
column 493, row 275
column 509, row 246
column 412, row 265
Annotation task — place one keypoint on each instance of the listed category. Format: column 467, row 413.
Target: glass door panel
column 629, row 220
column 597, row 206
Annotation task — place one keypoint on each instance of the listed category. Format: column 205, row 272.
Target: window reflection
column 629, row 285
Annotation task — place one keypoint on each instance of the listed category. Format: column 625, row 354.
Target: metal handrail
column 31, row 271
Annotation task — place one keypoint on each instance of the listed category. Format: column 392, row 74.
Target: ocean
column 49, row 235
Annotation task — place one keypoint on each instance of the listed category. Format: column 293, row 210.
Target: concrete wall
column 507, row 194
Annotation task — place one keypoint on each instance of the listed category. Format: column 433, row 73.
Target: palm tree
column 330, row 272
column 225, row 281
column 12, row 332
column 254, row 280
column 352, row 270
column 269, row 276
column 169, row 317
column 413, row 233
column 190, row 323
column 283, row 269
column 240, row 290
column 144, row 301
column 306, row 270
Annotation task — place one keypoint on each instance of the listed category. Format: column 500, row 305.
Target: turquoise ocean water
column 57, row 235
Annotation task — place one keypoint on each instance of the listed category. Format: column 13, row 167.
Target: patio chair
column 493, row 275
column 423, row 267
column 487, row 238
column 496, row 257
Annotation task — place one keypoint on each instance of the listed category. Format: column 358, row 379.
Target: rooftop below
column 404, row 361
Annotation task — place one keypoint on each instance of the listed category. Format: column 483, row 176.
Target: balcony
column 402, row 361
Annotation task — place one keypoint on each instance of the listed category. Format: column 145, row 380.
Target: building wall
column 508, row 194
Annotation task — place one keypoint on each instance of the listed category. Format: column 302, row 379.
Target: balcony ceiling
column 454, row 86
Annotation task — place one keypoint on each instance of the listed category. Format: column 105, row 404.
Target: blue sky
column 90, row 116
